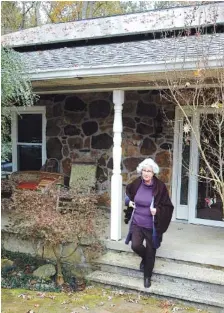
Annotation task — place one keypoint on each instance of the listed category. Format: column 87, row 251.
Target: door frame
column 193, row 170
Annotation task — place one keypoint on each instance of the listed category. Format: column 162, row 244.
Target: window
column 28, row 138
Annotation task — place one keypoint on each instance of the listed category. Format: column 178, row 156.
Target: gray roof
column 137, row 52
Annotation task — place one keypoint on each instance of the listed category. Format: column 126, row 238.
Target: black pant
column 147, row 253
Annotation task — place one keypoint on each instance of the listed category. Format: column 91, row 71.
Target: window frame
column 16, row 111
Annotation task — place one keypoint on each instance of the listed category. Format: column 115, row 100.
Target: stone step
column 196, row 253
column 127, row 263
column 203, row 297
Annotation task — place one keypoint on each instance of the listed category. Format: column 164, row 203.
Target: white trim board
column 103, row 89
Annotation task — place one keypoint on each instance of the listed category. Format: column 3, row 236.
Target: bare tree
column 37, row 13
column 84, row 10
column 207, row 106
column 199, row 95
column 26, row 8
column 91, row 6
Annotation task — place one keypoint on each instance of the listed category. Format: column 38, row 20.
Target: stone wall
column 75, row 263
column 80, row 128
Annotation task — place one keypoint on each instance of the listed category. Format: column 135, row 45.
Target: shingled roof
column 126, row 53
column 108, row 48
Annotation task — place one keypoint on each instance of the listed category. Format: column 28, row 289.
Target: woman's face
column 147, row 174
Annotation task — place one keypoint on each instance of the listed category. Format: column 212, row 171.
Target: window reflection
column 30, row 128
column 29, row 158
column 209, row 205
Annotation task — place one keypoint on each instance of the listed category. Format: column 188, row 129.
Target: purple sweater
column 143, row 198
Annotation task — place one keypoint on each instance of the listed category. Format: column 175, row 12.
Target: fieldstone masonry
column 80, row 128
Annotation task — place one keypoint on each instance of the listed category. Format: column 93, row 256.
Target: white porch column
column 116, row 180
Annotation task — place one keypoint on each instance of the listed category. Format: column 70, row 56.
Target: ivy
column 15, row 277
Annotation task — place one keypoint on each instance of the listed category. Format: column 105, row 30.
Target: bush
column 55, row 218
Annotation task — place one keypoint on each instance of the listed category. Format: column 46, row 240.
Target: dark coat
column 162, row 203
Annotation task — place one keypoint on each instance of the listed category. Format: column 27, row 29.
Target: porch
column 116, row 131
column 185, row 242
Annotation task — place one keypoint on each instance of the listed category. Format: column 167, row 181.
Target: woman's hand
column 131, row 204
column 153, row 211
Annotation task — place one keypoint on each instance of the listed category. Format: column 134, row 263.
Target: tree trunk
column 37, row 13
column 22, row 26
column 91, row 5
column 47, row 7
column 84, row 9
column 59, row 278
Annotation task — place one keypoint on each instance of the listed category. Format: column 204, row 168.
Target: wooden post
column 116, row 180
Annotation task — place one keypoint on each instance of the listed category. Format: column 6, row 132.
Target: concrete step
column 168, row 289
column 190, row 245
column 127, row 263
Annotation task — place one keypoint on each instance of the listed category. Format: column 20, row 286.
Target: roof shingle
column 137, row 52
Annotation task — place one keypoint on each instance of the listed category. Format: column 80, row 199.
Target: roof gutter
column 94, row 71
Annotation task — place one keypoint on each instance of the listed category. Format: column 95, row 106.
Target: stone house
column 100, row 83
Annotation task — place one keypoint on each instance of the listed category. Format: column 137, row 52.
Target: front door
column 193, row 195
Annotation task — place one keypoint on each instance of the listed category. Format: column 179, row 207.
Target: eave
column 134, row 76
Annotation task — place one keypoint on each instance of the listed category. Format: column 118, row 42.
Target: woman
column 148, row 196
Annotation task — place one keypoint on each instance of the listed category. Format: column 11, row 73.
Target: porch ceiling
column 159, row 80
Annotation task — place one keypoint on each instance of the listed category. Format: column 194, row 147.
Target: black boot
column 142, row 265
column 147, row 282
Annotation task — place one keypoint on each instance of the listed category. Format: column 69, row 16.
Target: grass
column 93, row 299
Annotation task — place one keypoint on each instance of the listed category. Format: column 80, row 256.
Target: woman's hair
column 147, row 163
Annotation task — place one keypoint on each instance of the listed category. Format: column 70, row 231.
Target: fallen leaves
column 22, row 296
column 199, row 72
column 64, row 302
column 25, row 296
column 84, row 307
column 133, row 300
column 217, row 105
column 41, row 294
column 169, row 306
column 176, row 309
column 44, row 295
column 106, row 302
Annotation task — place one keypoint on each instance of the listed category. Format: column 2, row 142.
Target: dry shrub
column 56, row 217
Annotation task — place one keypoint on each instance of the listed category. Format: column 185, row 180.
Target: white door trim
column 181, row 212
column 175, row 163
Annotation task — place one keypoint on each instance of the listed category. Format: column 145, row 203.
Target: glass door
column 208, row 209
column 194, row 195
